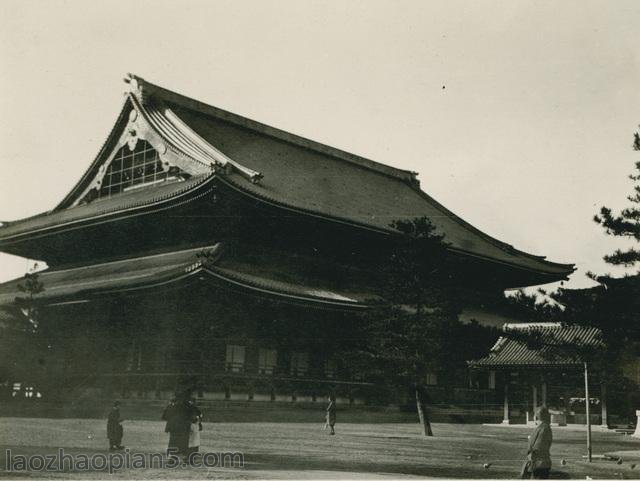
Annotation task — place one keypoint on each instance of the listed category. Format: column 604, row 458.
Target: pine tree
column 613, row 305
column 627, row 222
column 417, row 332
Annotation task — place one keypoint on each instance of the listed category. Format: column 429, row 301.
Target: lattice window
column 267, row 360
column 330, row 368
column 131, row 169
column 235, row 358
column 299, row 363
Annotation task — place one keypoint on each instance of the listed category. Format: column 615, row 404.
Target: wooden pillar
column 505, row 417
column 603, row 404
column 534, row 388
column 587, row 409
column 544, row 392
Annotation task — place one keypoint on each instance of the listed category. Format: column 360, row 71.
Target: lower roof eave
column 524, row 367
column 174, row 277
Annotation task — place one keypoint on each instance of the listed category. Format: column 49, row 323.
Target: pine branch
column 623, row 258
column 618, row 225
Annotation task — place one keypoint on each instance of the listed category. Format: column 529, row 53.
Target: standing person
column 114, row 428
column 179, row 425
column 167, row 413
column 195, row 428
column 331, row 413
column 539, row 456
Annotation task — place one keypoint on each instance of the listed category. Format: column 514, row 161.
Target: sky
column 517, row 115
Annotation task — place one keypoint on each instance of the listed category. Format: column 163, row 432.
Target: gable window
column 235, row 358
column 299, row 363
column 135, row 168
column 267, row 361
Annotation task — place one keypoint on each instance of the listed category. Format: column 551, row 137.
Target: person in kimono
column 179, row 426
column 195, row 428
column 539, row 453
column 114, row 428
column 331, row 413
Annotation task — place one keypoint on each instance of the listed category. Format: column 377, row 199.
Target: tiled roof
column 149, row 271
column 288, row 171
column 99, row 209
column 318, row 179
column 551, row 345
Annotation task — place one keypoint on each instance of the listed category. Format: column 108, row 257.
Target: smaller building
column 543, row 364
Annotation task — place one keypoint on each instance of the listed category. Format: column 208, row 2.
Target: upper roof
column 551, row 345
column 272, row 166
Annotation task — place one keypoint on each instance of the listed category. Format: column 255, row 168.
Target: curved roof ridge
column 176, row 132
column 147, row 89
column 497, row 242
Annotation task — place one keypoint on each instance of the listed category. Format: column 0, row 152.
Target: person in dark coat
column 331, row 413
column 167, row 413
column 179, row 426
column 114, row 427
column 539, row 455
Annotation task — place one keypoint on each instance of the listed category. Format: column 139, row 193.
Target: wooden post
column 544, row 392
column 603, row 404
column 535, row 401
column 505, row 417
column 588, row 410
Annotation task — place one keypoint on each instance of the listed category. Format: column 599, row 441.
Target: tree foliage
column 30, row 287
column 534, row 307
column 418, row 332
column 613, row 305
column 627, row 222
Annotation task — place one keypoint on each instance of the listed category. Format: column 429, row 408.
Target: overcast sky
column 517, row 115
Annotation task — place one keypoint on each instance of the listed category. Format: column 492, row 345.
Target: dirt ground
column 305, row 451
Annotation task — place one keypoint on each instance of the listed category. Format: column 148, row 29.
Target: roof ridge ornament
column 136, row 86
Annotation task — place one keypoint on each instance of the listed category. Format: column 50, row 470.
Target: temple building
column 203, row 248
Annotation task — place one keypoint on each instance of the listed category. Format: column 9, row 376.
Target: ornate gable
column 137, row 158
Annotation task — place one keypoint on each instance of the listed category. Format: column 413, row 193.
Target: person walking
column 331, row 414
column 114, row 428
column 539, row 456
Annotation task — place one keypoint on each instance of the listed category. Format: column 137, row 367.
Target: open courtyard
column 305, row 451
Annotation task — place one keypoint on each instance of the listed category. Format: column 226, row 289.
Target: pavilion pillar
column 603, row 404
column 544, row 392
column 505, row 417
column 587, row 409
column 534, row 388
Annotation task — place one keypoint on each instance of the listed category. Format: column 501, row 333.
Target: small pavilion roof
column 282, row 169
column 140, row 273
column 543, row 345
